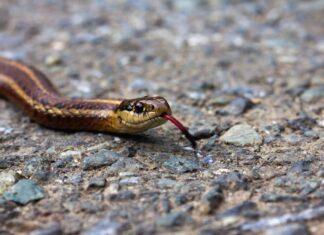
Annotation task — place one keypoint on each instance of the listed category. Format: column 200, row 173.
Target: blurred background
column 188, row 47
column 218, row 63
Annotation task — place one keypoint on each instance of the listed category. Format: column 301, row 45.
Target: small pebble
column 211, row 200
column 24, row 191
column 300, row 167
column 75, row 179
column 122, row 196
column 301, row 123
column 245, row 208
column 35, row 165
column 180, row 165
column 311, row 134
column 125, row 163
column 97, row 181
column 202, row 131
column 102, row 158
column 54, row 229
column 129, row 181
column 233, row 181
column 313, row 94
column 166, row 183
column 293, row 139
column 174, row 219
column 273, row 197
column 289, row 229
column 241, row 135
column 7, row 161
column 64, row 162
column 236, row 107
column 181, row 199
column 197, row 96
column 106, row 226
column 53, row 60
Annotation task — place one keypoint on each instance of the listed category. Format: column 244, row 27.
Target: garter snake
column 32, row 92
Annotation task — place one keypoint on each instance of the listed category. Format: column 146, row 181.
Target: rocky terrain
column 246, row 77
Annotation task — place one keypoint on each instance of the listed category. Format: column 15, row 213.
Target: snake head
column 138, row 115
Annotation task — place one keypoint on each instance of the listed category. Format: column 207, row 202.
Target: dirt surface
column 247, row 77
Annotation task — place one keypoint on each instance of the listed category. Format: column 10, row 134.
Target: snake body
column 32, row 92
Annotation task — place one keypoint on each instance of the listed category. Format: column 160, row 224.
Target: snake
column 32, row 92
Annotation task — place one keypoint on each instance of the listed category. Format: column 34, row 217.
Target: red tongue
column 183, row 129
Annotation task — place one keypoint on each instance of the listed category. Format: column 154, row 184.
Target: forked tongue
column 182, row 128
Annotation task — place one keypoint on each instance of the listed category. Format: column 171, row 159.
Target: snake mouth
column 141, row 126
column 144, row 122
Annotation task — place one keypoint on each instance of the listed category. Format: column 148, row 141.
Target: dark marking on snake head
column 44, row 102
column 60, row 105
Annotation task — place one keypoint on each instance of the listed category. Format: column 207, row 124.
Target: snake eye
column 139, row 107
column 129, row 107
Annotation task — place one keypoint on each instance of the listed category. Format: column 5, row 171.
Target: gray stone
column 273, row 197
column 125, row 163
column 102, row 158
column 237, row 106
column 180, row 199
column 209, row 231
column 311, row 134
column 212, row 199
column 166, row 183
column 53, row 60
column 90, row 207
column 303, row 122
column 105, row 227
column 320, row 172
column 97, row 181
column 300, row 167
column 7, row 161
column 64, row 162
column 241, row 135
column 244, row 208
column 289, row 229
column 202, row 131
column 233, row 181
column 293, row 139
column 180, row 165
column 24, row 191
column 35, row 165
column 297, row 184
column 174, row 219
column 122, row 196
column 196, row 95
column 309, row 186
column 313, row 94
column 75, row 179
column 129, row 181
column 54, row 229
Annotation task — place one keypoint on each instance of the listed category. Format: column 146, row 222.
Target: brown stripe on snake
column 31, row 91
column 24, row 74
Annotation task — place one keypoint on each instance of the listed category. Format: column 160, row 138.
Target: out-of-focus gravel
column 246, row 76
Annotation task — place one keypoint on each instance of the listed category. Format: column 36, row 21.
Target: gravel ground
column 247, row 77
